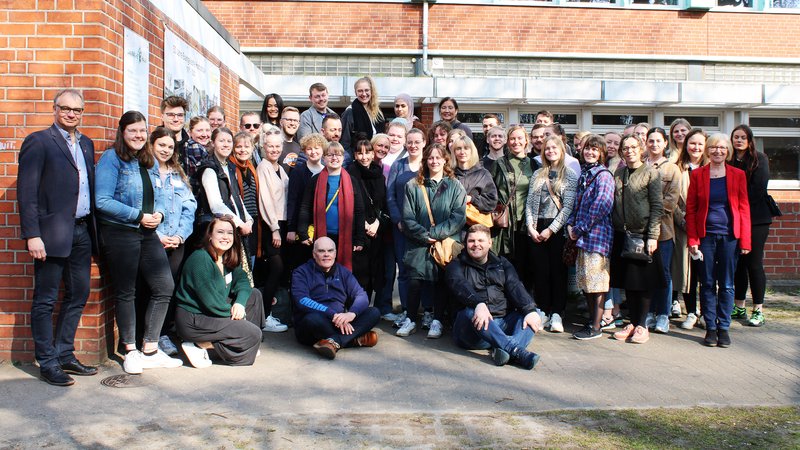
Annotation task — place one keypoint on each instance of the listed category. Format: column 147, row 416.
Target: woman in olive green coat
column 448, row 207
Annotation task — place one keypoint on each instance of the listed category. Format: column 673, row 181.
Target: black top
column 757, row 181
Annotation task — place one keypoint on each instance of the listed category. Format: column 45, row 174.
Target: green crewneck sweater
column 202, row 288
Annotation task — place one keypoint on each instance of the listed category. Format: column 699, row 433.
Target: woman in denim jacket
column 129, row 211
column 179, row 208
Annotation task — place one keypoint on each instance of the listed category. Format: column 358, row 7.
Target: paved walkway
column 407, row 391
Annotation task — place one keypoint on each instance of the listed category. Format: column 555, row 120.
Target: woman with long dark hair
column 271, row 110
column 217, row 308
column 129, row 211
column 751, row 265
column 448, row 111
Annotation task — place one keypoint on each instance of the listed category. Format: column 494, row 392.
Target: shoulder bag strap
column 553, row 196
column 624, row 186
column 427, row 203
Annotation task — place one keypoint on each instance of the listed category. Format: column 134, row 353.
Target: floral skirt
column 593, row 272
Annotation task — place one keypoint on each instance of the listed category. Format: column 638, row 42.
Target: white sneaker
column 545, row 321
column 542, row 316
column 406, row 328
column 556, row 325
column 274, row 325
column 427, row 319
column 400, row 319
column 198, row 357
column 650, row 322
column 701, row 322
column 133, row 362
column 676, row 309
column 435, row 331
column 166, row 345
column 159, row 361
column 390, row 317
column 662, row 324
column 688, row 324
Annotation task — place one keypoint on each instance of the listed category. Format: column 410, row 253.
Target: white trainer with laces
column 198, row 357
column 690, row 321
column 133, row 362
column 274, row 325
column 662, row 324
column 676, row 309
column 159, row 360
column 435, row 331
column 427, row 318
column 408, row 327
column 556, row 324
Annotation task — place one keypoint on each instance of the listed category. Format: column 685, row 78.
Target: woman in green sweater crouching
column 217, row 307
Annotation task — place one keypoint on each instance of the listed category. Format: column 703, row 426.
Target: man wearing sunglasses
column 250, row 122
column 54, row 190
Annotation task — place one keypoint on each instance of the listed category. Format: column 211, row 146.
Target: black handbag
column 634, row 247
column 773, row 207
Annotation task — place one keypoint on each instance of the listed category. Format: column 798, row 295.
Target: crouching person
column 218, row 310
column 498, row 313
column 331, row 310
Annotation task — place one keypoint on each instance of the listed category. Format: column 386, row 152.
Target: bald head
column 324, row 253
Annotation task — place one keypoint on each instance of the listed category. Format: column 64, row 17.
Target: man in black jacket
column 498, row 313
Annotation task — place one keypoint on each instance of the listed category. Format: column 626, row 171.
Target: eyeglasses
column 254, row 126
column 717, row 147
column 67, row 110
column 334, row 155
column 175, row 115
column 628, row 148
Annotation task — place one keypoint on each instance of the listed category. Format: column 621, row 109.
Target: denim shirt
column 118, row 190
column 179, row 204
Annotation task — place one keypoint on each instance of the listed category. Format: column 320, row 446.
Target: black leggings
column 751, row 266
column 550, row 276
column 270, row 271
column 415, row 296
column 638, row 306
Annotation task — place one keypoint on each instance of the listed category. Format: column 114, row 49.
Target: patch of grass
column 784, row 310
column 760, row 427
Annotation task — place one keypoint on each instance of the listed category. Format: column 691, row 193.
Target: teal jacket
column 448, row 205
column 203, row 289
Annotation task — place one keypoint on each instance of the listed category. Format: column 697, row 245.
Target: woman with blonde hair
column 363, row 118
column 678, row 130
column 550, row 198
column 477, row 181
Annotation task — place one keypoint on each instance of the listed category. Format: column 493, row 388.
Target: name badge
column 228, row 278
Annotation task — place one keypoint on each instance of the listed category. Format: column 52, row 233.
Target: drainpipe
column 425, row 70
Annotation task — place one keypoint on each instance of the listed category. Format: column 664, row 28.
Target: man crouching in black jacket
column 498, row 313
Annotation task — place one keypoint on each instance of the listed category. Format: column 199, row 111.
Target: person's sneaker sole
column 500, row 356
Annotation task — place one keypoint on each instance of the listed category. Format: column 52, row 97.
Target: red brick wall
column 46, row 46
column 259, row 23
column 782, row 251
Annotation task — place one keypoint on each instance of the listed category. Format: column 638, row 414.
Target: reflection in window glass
column 784, row 157
column 696, row 121
column 656, row 2
column 563, row 119
column 622, row 119
column 591, row 1
column 775, row 122
column 740, row 3
column 786, row 3
column 477, row 117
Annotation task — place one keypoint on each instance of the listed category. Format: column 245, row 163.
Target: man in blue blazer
column 54, row 189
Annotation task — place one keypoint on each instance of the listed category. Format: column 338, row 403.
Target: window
column 775, row 122
column 696, row 121
column 784, row 156
column 477, row 117
column 786, row 3
column 738, row 3
column 619, row 119
column 656, row 2
column 564, row 119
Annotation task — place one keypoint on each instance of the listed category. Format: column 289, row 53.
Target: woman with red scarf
column 332, row 208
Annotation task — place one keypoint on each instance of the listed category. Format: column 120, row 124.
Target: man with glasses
column 250, row 122
column 54, row 190
column 311, row 119
column 173, row 116
column 290, row 123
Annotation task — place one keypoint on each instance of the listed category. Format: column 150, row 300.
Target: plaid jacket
column 591, row 216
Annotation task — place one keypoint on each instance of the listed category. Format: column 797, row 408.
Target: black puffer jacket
column 495, row 283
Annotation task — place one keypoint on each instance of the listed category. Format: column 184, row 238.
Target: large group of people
column 200, row 228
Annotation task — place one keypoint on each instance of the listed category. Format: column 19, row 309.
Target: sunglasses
column 254, row 126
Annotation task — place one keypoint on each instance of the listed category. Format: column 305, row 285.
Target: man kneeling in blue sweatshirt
column 331, row 310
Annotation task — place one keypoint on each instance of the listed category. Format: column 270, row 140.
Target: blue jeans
column 496, row 336
column 53, row 348
column 720, row 254
column 662, row 297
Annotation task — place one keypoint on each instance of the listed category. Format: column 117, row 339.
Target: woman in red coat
column 718, row 227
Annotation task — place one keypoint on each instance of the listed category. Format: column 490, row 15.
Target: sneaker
column 499, row 356
column 690, row 321
column 133, row 362
column 738, row 313
column 327, row 348
column 624, row 333
column 524, row 358
column 556, row 325
column 587, row 333
column 166, row 345
column 368, row 339
column 408, row 327
column 159, row 360
column 711, row 338
column 701, row 322
column 676, row 308
column 390, row 317
column 650, row 322
column 427, row 319
column 619, row 320
column 274, row 325
column 756, row 319
column 723, row 338
column 198, row 357
column 542, row 317
column 640, row 335
column 662, row 324
column 435, row 330
column 608, row 324
column 545, row 321
column 400, row 319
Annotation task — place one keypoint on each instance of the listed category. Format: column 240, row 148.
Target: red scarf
column 344, row 254
column 242, row 167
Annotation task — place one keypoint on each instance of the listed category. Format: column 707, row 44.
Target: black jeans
column 53, row 348
column 550, row 275
column 315, row 326
column 751, row 267
column 130, row 253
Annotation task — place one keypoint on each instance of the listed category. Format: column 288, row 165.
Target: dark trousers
column 236, row 342
column 522, row 257
column 751, row 267
column 550, row 274
column 53, row 348
column 175, row 256
column 315, row 326
column 130, row 254
column 504, row 332
column 418, row 288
